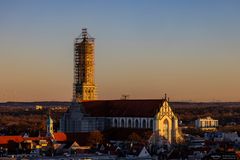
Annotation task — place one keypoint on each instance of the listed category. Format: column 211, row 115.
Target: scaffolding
column 84, row 86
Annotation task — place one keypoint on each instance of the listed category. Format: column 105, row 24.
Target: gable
column 144, row 153
column 75, row 145
column 165, row 110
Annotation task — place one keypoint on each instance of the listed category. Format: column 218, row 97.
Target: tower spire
column 84, row 86
column 49, row 124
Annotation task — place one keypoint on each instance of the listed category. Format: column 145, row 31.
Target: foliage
column 20, row 120
column 134, row 137
column 95, row 137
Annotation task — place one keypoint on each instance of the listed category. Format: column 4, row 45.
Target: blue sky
column 188, row 49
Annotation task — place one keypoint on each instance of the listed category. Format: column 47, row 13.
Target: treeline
column 225, row 113
column 20, row 120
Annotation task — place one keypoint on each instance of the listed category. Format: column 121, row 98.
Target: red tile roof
column 6, row 139
column 60, row 136
column 122, row 108
column 35, row 138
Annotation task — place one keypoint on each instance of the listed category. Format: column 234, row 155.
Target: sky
column 187, row 49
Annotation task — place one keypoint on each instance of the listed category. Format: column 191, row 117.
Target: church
column 87, row 114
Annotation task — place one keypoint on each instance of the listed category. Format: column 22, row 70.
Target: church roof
column 122, row 108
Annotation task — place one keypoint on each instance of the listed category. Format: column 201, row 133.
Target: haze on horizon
column 187, row 49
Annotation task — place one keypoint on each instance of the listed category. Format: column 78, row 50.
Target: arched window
column 115, row 123
column 151, row 123
column 144, row 124
column 122, row 123
column 129, row 123
column 136, row 123
column 166, row 129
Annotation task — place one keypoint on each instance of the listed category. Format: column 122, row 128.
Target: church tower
column 49, row 125
column 84, row 86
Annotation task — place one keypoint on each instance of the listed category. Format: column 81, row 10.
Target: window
column 136, row 123
column 129, row 123
column 151, row 123
column 144, row 124
column 122, row 123
column 166, row 129
column 115, row 123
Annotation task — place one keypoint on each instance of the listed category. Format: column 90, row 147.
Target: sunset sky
column 187, row 49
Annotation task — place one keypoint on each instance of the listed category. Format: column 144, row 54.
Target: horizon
column 189, row 50
column 180, row 101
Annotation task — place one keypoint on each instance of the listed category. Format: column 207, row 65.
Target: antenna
column 125, row 96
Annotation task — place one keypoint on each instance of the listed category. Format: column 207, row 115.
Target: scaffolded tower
column 84, row 86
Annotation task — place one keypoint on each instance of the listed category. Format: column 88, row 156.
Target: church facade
column 155, row 115
column 87, row 114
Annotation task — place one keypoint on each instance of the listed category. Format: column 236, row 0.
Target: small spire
column 165, row 96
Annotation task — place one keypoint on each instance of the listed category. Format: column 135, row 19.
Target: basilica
column 87, row 114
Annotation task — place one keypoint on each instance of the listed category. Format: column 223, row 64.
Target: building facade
column 155, row 115
column 206, row 123
column 84, row 86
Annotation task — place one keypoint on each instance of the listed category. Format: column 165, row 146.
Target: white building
column 207, row 124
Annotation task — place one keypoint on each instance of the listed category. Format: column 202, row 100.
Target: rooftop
column 122, row 108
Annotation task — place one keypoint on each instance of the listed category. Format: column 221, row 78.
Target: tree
column 147, row 134
column 95, row 137
column 134, row 137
